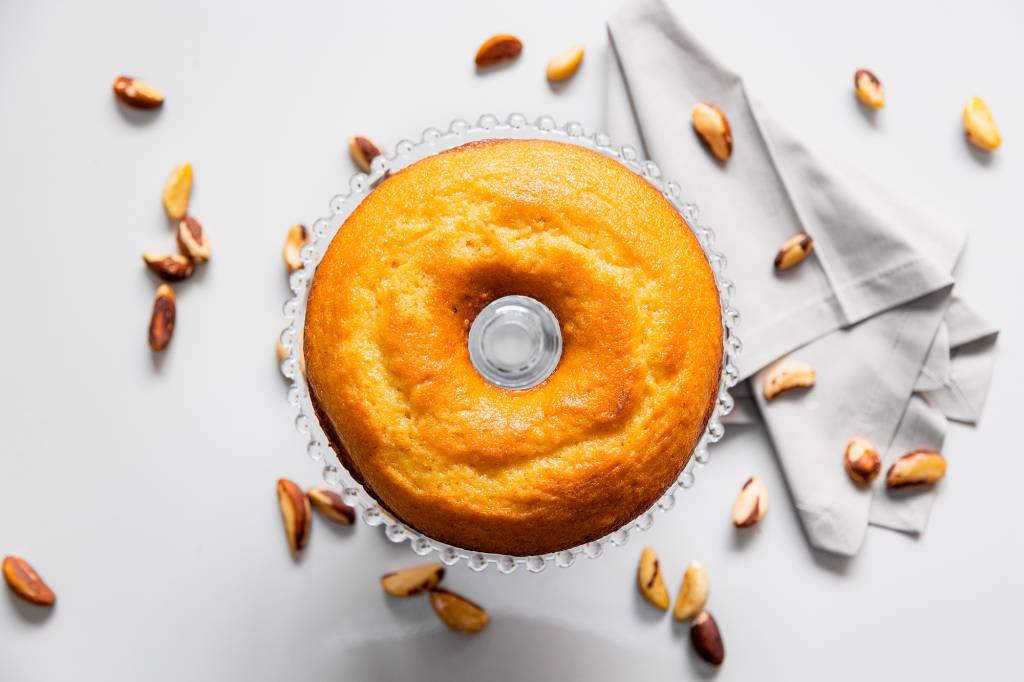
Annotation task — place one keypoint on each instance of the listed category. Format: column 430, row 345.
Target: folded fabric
column 871, row 309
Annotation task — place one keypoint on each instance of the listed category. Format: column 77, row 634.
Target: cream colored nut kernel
column 980, row 125
column 499, row 48
column 170, row 267
column 917, row 467
column 751, row 505
column 457, row 612
column 861, row 461
column 292, row 253
column 565, row 64
column 192, row 239
column 295, row 513
column 651, row 581
column 330, row 504
column 793, row 251
column 137, row 93
column 177, row 190
column 713, row 128
column 408, row 582
column 363, row 151
column 869, row 89
column 281, row 350
column 788, row 375
column 693, row 593
column 161, row 322
column 707, row 639
column 26, row 583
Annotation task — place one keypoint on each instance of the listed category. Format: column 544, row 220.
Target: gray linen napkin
column 872, row 309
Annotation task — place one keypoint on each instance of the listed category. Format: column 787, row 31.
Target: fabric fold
column 871, row 308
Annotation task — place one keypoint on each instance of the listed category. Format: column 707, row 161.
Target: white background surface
column 143, row 490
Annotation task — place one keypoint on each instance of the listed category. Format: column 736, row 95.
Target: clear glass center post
column 515, row 342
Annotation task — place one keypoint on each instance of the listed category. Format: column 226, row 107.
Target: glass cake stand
column 323, row 230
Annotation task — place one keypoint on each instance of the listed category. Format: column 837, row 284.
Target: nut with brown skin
column 917, row 467
column 707, row 639
column 786, row 376
column 651, row 581
column 136, row 93
column 161, row 322
column 177, row 191
column 330, row 504
column 293, row 243
column 980, row 125
column 457, row 612
column 861, row 461
column 192, row 239
column 26, row 583
column 295, row 512
column 414, row 580
column 751, row 505
column 712, row 127
column 170, row 267
column 693, row 593
column 869, row 89
column 565, row 64
column 363, row 151
column 793, row 251
column 499, row 48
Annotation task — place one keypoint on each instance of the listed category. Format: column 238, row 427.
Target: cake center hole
column 515, row 342
column 512, row 344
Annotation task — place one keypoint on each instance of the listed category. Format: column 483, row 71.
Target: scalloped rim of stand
column 432, row 141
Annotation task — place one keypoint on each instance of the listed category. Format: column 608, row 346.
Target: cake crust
column 482, row 467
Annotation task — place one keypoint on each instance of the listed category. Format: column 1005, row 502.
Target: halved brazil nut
column 408, row 582
column 295, row 513
column 869, row 89
column 651, row 581
column 499, row 48
column 298, row 237
column 751, row 505
column 170, row 267
column 713, row 128
column 137, row 93
column 793, row 251
column 786, row 376
column 707, row 639
column 363, row 151
column 565, row 64
column 980, row 125
column 693, row 593
column 177, row 191
column 161, row 322
column 457, row 612
column 26, row 583
column 330, row 504
column 917, row 467
column 192, row 239
column 861, row 461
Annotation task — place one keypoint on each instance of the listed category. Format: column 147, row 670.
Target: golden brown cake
column 514, row 471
